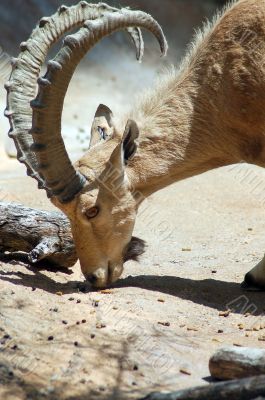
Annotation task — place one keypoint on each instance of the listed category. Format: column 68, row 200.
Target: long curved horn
column 48, row 105
column 21, row 87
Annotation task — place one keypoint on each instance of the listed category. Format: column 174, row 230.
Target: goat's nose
column 91, row 278
column 98, row 278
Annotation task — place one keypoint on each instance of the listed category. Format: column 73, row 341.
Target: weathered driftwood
column 237, row 362
column 40, row 234
column 241, row 389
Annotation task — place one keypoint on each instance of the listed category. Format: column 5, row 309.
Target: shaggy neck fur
column 178, row 134
column 204, row 115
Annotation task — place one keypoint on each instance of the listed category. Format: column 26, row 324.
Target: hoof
column 251, row 285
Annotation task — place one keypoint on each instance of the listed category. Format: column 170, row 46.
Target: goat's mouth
column 134, row 249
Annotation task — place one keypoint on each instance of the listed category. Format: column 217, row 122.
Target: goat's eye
column 92, row 212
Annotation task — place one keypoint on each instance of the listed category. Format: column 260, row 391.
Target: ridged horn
column 22, row 85
column 53, row 161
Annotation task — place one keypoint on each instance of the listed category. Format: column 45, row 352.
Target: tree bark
column 40, row 234
column 237, row 362
column 242, row 389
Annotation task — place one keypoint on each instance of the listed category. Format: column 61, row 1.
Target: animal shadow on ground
column 38, row 280
column 212, row 293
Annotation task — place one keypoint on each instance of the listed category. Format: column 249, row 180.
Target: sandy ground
column 162, row 317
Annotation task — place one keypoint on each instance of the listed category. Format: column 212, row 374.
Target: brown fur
column 206, row 114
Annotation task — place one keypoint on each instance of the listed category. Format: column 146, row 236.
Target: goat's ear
column 130, row 136
column 102, row 126
column 113, row 176
column 127, row 148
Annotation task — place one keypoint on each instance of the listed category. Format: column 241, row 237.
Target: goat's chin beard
column 134, row 249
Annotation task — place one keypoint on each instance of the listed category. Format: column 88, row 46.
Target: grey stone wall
column 178, row 17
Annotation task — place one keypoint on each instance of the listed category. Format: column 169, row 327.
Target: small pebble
column 99, row 325
column 77, row 323
column 64, row 322
column 50, row 338
column 224, row 313
column 220, row 331
column 184, row 371
column 185, row 249
column 76, row 344
column 71, row 299
column 190, row 328
column 33, row 289
column 164, row 323
column 161, row 300
column 106, row 291
column 256, row 328
column 6, row 336
column 59, row 293
column 92, row 336
column 135, row 367
column 78, row 301
column 216, row 340
column 83, row 321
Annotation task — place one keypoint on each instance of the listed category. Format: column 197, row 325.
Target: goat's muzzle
column 104, row 277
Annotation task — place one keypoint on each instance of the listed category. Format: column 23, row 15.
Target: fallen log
column 40, row 234
column 240, row 389
column 237, row 362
